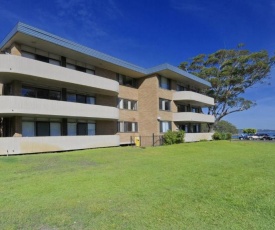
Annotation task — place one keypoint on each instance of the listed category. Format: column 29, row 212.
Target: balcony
column 25, row 106
column 193, row 117
column 21, row 145
column 37, row 72
column 193, row 98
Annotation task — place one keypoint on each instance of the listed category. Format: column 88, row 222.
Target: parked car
column 249, row 137
column 264, row 136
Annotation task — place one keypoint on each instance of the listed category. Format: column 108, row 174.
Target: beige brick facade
column 15, row 49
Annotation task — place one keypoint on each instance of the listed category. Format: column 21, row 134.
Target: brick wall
column 106, row 127
column 15, row 49
column 148, row 105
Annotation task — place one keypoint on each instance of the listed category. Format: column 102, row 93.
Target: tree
column 225, row 127
column 250, row 131
column 231, row 72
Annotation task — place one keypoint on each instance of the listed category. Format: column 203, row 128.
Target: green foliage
column 250, row 131
column 225, row 127
column 221, row 136
column 217, row 136
column 173, row 137
column 231, row 72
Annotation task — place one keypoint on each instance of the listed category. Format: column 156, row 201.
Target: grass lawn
column 205, row 185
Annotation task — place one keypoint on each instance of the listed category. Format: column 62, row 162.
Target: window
column 28, row 55
column 40, row 93
column 91, row 129
column 195, row 110
column 181, row 88
column 90, row 100
column 127, row 127
column 127, row 81
column 82, row 129
column 164, row 83
column 42, row 128
column 181, row 108
column 165, row 126
column 55, row 129
column 54, row 95
column 28, row 92
column 71, row 129
column 28, row 129
column 164, row 104
column 72, row 97
column 127, row 104
column 80, row 98
column 90, row 71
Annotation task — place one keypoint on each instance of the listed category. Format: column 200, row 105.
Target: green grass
column 206, row 185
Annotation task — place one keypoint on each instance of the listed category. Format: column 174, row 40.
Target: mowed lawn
column 205, row 185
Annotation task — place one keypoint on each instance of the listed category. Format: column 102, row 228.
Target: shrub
column 221, row 136
column 228, row 136
column 217, row 136
column 173, row 137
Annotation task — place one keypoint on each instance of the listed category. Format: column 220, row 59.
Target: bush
column 173, row 137
column 217, row 136
column 221, row 136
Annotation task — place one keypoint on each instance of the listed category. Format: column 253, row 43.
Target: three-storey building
column 57, row 95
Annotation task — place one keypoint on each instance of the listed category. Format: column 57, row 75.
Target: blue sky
column 151, row 32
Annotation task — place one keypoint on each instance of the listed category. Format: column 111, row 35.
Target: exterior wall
column 17, row 129
column 15, row 49
column 21, row 145
column 106, row 100
column 148, row 105
column 192, row 137
column 167, row 115
column 128, row 115
column 106, row 127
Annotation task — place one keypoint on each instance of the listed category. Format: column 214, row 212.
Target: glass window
column 55, row 128
column 54, row 62
column 91, row 129
column 42, row 128
column 90, row 100
column 28, row 92
column 125, row 127
column 82, row 129
column 28, row 55
column 42, row 93
column 80, row 68
column 90, row 71
column 54, row 95
column 28, row 129
column 71, row 129
column 127, row 81
column 164, row 104
column 42, row 58
column 181, row 108
column 127, row 104
column 70, row 66
column 165, row 126
column 71, row 97
column 80, row 98
column 164, row 83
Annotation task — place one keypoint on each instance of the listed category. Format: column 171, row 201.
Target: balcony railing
column 193, row 98
column 15, row 105
column 23, row 69
column 193, row 117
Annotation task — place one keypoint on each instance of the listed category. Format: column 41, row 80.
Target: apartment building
column 57, row 95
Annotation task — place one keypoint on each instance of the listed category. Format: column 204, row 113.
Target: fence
column 145, row 141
